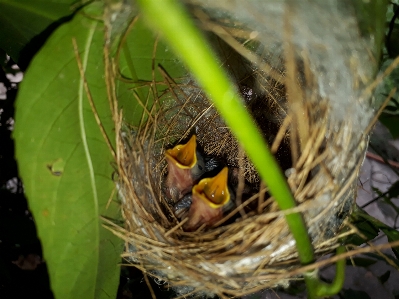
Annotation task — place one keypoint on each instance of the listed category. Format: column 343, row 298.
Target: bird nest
column 317, row 137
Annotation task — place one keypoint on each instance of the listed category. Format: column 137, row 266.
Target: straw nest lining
column 251, row 248
column 255, row 251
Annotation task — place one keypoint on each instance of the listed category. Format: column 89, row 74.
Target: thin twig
column 90, row 98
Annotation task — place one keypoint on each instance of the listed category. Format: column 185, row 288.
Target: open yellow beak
column 184, row 155
column 214, row 191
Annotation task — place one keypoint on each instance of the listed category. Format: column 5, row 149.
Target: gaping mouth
column 184, row 155
column 214, row 191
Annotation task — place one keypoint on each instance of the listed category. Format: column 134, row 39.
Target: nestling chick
column 180, row 209
column 185, row 166
column 210, row 198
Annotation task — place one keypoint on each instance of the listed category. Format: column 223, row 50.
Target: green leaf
column 384, row 277
column 393, row 235
column 391, row 122
column 368, row 225
column 384, row 88
column 394, row 190
column 378, row 191
column 361, row 261
column 65, row 163
column 136, row 64
column 25, row 24
column 366, row 228
column 371, row 17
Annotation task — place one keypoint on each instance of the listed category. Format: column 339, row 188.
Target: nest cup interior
column 202, row 258
column 249, row 247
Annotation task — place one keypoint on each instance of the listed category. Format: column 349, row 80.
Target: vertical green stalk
column 171, row 20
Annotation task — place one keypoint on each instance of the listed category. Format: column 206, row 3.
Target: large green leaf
column 24, row 22
column 65, row 163
column 392, row 123
column 369, row 227
column 138, row 62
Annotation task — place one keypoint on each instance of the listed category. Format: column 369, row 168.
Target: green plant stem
column 317, row 288
column 338, row 282
column 172, row 21
column 170, row 18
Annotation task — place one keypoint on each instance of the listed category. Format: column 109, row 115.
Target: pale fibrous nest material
column 305, row 92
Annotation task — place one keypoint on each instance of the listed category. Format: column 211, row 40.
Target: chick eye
column 200, row 167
